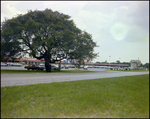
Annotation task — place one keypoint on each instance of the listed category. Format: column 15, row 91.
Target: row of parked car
column 11, row 64
column 40, row 67
column 37, row 67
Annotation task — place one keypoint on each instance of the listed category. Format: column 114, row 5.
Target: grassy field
column 130, row 70
column 123, row 97
column 5, row 71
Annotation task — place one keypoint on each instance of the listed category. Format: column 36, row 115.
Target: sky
column 120, row 28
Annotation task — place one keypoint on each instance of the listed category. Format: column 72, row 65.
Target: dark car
column 66, row 67
column 33, row 67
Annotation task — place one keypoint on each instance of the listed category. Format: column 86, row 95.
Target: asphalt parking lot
column 27, row 79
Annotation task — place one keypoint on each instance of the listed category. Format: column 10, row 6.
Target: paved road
column 27, row 79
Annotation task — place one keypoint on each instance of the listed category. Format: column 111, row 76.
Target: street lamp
column 109, row 60
column 119, row 62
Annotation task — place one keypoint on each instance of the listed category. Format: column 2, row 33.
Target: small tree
column 84, row 50
column 146, row 65
column 118, row 62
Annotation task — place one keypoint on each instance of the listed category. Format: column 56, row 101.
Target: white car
column 3, row 64
column 85, row 67
column 42, row 65
column 16, row 64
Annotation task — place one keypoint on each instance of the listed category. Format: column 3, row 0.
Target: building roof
column 59, row 62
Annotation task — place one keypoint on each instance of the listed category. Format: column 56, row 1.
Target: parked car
column 85, row 67
column 3, row 64
column 66, row 67
column 33, row 67
column 42, row 65
column 8, row 63
column 16, row 64
column 54, row 67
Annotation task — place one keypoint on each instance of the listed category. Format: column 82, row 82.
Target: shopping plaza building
column 34, row 61
column 134, row 64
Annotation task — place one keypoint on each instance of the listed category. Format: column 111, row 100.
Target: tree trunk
column 47, row 66
column 59, row 65
column 79, row 64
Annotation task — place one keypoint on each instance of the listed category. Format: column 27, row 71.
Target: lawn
column 130, row 70
column 123, row 97
column 5, row 71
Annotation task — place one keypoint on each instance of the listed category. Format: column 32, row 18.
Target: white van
column 85, row 67
column 42, row 65
column 3, row 64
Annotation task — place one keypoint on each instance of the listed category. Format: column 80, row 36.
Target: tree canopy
column 46, row 34
column 84, row 49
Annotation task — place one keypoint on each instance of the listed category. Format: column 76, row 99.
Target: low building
column 25, row 60
column 65, row 63
column 32, row 61
column 108, row 65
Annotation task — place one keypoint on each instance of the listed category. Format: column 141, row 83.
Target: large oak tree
column 45, row 34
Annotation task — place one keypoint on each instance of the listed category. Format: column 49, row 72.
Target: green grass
column 4, row 71
column 123, row 97
column 130, row 70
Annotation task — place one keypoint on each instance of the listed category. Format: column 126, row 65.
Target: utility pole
column 119, row 62
column 109, row 60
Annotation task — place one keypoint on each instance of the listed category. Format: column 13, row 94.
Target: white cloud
column 67, row 7
column 8, row 10
column 119, row 30
column 137, row 34
column 79, row 23
column 124, row 7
